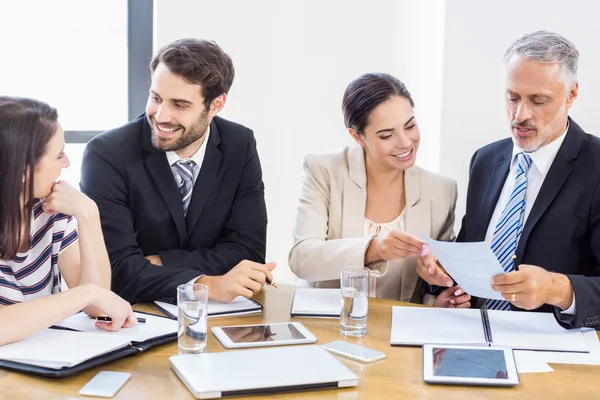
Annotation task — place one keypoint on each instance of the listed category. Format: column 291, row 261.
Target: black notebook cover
column 132, row 349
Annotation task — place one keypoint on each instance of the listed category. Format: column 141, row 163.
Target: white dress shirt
column 198, row 158
column 542, row 160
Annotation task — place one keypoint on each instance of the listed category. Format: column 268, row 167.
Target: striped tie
column 185, row 169
column 508, row 230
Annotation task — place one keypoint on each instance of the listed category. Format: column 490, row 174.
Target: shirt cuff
column 195, row 279
column 570, row 310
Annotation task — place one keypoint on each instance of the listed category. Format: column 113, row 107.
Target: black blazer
column 142, row 214
column 562, row 232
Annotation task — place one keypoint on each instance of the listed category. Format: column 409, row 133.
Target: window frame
column 140, row 15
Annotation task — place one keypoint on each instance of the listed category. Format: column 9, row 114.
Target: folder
column 76, row 344
column 520, row 330
column 317, row 303
column 238, row 306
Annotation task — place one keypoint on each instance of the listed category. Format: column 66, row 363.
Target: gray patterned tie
column 508, row 229
column 185, row 169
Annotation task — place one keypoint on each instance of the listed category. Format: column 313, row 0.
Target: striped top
column 35, row 274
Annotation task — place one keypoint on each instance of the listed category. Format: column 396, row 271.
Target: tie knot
column 524, row 162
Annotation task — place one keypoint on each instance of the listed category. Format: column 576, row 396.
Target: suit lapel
column 492, row 193
column 206, row 177
column 417, row 219
column 355, row 194
column 554, row 181
column 160, row 171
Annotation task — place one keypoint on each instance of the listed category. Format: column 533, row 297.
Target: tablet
column 469, row 365
column 277, row 334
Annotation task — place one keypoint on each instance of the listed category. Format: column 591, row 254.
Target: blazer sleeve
column 244, row 236
column 586, row 288
column 104, row 180
column 447, row 231
column 314, row 256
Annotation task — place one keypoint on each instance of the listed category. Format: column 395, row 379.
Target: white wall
column 294, row 59
column 477, row 33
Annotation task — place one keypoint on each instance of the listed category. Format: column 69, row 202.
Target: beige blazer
column 328, row 233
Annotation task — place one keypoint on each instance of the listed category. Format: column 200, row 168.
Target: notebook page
column 533, row 331
column 153, row 327
column 561, row 357
column 317, row 303
column 238, row 306
column 55, row 348
column 414, row 326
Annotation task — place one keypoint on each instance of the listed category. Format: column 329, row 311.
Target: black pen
column 270, row 283
column 109, row 319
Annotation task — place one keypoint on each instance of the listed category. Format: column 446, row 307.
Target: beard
column 187, row 136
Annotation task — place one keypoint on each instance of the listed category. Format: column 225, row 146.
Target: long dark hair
column 26, row 127
column 365, row 93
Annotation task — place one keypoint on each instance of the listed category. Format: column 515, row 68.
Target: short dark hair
column 200, row 62
column 365, row 93
column 26, row 127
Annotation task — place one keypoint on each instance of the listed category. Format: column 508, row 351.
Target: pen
column 514, row 258
column 270, row 283
column 109, row 319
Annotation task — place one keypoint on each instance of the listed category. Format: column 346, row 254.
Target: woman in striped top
column 48, row 231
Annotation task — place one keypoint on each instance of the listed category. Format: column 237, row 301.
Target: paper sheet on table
column 471, row 265
column 557, row 357
column 527, row 364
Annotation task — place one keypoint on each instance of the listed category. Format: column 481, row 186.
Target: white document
column 414, row 326
column 323, row 303
column 592, row 358
column 55, row 348
column 153, row 327
column 528, row 365
column 524, row 330
column 238, row 306
column 471, row 265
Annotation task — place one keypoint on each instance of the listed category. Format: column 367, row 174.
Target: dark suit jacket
column 142, row 214
column 562, row 232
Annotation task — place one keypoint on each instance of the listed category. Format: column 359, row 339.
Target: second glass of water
column 354, row 284
column 192, row 303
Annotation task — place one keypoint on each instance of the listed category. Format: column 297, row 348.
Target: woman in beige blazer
column 362, row 205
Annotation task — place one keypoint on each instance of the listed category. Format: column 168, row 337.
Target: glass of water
column 354, row 284
column 192, row 303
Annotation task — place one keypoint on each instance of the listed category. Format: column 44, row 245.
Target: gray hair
column 548, row 48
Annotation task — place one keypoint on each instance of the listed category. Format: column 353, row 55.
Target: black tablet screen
column 262, row 333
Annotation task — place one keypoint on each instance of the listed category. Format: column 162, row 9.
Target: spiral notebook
column 238, row 306
column 520, row 330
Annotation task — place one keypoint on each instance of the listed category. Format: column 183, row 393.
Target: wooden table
column 396, row 377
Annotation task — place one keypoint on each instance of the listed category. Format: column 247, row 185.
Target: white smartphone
column 105, row 384
column 354, row 351
column 233, row 337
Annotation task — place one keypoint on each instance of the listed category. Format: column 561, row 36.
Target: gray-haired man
column 535, row 197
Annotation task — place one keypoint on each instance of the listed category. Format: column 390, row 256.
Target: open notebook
column 415, row 326
column 317, row 303
column 76, row 344
column 238, row 306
